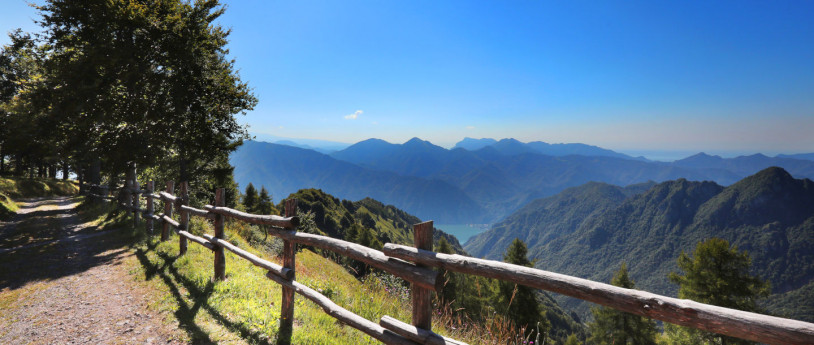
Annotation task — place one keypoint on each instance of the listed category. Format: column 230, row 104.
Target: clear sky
column 719, row 76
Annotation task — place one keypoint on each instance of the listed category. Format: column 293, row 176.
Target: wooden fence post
column 220, row 258
column 289, row 261
column 135, row 195
column 150, row 206
column 422, row 298
column 184, row 221
column 165, row 230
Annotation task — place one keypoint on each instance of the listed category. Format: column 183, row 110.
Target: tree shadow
column 185, row 314
column 58, row 259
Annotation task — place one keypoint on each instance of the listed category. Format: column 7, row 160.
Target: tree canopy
column 716, row 274
column 612, row 326
column 128, row 81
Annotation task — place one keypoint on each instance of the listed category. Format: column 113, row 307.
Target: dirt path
column 63, row 281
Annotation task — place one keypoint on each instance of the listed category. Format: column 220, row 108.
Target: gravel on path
column 75, row 291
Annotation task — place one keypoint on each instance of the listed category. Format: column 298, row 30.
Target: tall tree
column 612, row 326
column 449, row 293
column 250, row 198
column 264, row 204
column 146, row 81
column 518, row 302
column 716, row 274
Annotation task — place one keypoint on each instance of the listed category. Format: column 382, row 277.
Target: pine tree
column 264, row 205
column 450, row 289
column 250, row 199
column 518, row 302
column 572, row 340
column 717, row 274
column 612, row 326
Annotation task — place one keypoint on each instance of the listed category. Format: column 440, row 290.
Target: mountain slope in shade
column 389, row 224
column 284, row 170
column 546, row 219
column 769, row 214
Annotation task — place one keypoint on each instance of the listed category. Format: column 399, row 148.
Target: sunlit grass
column 245, row 308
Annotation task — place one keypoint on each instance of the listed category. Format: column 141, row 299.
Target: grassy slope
column 15, row 188
column 245, row 308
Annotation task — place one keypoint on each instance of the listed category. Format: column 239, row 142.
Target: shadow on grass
column 185, row 314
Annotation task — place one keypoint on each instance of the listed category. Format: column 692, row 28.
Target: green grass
column 246, row 307
column 15, row 188
column 247, row 304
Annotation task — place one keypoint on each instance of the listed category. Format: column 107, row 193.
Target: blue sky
column 721, row 77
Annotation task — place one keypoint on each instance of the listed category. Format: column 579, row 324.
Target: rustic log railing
column 413, row 265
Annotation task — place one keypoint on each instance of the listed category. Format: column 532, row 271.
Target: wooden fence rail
column 414, row 265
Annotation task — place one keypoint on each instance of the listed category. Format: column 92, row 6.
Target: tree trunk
column 52, row 170
column 18, row 170
column 182, row 165
column 65, row 170
column 2, row 160
column 95, row 174
column 81, row 177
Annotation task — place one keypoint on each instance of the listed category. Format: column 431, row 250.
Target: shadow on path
column 47, row 240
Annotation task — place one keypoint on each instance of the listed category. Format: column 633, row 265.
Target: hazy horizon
column 655, row 155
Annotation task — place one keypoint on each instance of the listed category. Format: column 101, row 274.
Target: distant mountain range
column 514, row 147
column 322, row 146
column 590, row 230
column 480, row 181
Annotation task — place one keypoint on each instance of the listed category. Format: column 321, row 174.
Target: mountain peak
column 472, row 144
column 416, row 140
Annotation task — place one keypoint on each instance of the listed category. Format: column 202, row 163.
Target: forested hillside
column 769, row 214
column 366, row 221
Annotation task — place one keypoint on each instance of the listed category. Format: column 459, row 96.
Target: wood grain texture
column 184, row 218
column 277, row 221
column 254, row 259
column 198, row 212
column 199, row 240
column 736, row 323
column 165, row 227
column 422, row 297
column 347, row 317
column 419, row 335
column 150, row 206
column 289, row 261
column 219, row 260
column 422, row 276
column 169, row 221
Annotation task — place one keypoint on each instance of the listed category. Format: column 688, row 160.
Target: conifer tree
column 250, row 198
column 518, row 302
column 717, row 274
column 612, row 326
column 572, row 340
column 264, row 201
column 450, row 289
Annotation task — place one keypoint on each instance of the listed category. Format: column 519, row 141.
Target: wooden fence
column 414, row 264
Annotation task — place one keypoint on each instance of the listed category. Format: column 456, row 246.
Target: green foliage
column 264, row 203
column 572, row 340
column 145, row 81
column 718, row 274
column 612, row 326
column 518, row 302
column 769, row 214
column 250, row 199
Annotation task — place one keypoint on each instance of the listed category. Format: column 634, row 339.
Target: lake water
column 463, row 231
